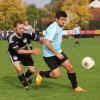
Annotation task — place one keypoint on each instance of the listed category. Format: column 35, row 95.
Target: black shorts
column 54, row 62
column 77, row 35
column 26, row 60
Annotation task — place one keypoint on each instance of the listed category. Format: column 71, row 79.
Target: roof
column 95, row 4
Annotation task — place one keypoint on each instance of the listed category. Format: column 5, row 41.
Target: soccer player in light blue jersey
column 76, row 30
column 53, row 54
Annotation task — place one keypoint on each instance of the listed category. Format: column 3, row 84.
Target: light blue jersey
column 76, row 30
column 54, row 34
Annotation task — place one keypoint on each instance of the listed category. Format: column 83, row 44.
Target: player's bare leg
column 48, row 74
column 72, row 76
column 21, row 76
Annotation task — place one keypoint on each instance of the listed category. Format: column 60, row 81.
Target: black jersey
column 17, row 43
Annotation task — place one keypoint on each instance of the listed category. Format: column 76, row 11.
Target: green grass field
column 50, row 89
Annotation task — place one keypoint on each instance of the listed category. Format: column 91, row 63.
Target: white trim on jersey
column 31, row 33
column 18, row 36
column 15, row 46
column 35, row 37
column 12, row 59
column 24, row 47
column 11, row 37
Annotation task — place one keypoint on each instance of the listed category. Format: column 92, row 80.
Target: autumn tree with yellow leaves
column 10, row 10
column 77, row 11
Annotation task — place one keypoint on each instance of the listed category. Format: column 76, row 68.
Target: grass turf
column 50, row 89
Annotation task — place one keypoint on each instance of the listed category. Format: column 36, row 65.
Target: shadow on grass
column 11, row 80
column 52, row 84
column 47, row 83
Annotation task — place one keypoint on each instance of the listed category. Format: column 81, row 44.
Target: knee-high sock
column 45, row 74
column 72, row 78
column 23, row 80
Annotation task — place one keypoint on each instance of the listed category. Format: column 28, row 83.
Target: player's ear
column 14, row 29
column 56, row 19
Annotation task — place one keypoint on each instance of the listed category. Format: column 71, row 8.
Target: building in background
column 94, row 9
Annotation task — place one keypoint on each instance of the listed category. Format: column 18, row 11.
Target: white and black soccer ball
column 88, row 62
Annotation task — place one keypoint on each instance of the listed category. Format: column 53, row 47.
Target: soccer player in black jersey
column 19, row 53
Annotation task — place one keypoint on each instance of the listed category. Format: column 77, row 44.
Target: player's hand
column 36, row 51
column 60, row 56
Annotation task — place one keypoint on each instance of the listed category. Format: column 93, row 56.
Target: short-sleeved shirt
column 76, row 30
column 54, row 34
column 16, row 43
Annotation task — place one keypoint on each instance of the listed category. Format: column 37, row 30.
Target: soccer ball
column 88, row 62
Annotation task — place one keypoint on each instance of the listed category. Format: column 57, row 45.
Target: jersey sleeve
column 33, row 36
column 50, row 33
column 13, row 42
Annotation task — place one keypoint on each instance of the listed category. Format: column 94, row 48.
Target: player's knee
column 56, row 75
column 19, row 70
column 31, row 70
column 70, row 69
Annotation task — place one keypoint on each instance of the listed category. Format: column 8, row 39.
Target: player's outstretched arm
column 36, row 51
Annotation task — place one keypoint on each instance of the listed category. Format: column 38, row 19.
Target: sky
column 38, row 3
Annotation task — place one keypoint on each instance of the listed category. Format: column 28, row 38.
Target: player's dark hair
column 60, row 14
column 17, row 22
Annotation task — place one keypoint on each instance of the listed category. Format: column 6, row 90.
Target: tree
column 11, row 10
column 49, row 12
column 33, row 15
column 77, row 11
column 53, row 7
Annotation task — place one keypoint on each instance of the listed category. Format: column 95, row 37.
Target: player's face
column 61, row 21
column 20, row 29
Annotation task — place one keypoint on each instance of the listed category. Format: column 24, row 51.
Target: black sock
column 72, row 78
column 45, row 74
column 23, row 80
column 28, row 74
column 76, row 42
